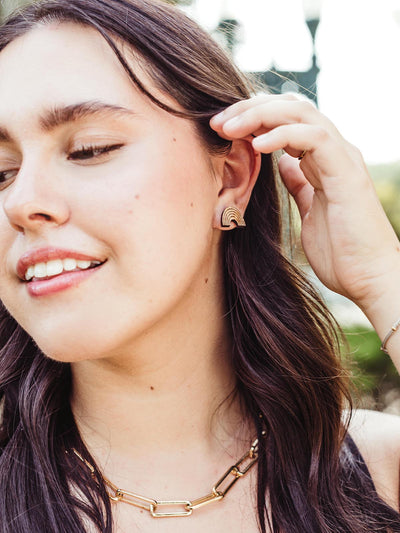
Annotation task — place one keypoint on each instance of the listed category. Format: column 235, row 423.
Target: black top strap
column 356, row 455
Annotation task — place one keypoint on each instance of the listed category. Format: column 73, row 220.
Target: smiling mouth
column 58, row 267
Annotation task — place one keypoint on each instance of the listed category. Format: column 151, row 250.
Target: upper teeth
column 57, row 266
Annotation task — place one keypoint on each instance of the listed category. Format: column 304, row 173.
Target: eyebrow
column 60, row 115
column 72, row 113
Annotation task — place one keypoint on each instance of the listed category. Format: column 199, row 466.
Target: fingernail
column 261, row 140
column 219, row 118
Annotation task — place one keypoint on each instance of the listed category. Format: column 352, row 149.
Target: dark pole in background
column 229, row 29
column 276, row 80
column 304, row 82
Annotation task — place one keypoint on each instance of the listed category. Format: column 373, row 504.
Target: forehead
column 58, row 65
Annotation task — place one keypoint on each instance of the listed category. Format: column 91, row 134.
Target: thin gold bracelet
column 392, row 330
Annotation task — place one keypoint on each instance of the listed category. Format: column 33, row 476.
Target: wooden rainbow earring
column 232, row 214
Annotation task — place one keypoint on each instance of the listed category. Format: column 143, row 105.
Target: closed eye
column 6, row 176
column 92, row 152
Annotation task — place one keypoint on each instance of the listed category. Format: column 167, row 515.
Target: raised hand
column 346, row 235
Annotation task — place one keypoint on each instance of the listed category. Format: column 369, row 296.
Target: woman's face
column 93, row 174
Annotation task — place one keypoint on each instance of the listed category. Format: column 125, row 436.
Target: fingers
column 219, row 121
column 292, row 124
column 266, row 116
column 301, row 106
column 296, row 183
column 264, row 113
column 243, row 105
column 293, row 138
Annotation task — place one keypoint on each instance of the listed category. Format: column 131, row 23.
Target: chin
column 66, row 354
column 68, row 345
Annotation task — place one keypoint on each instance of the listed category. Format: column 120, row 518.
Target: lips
column 45, row 263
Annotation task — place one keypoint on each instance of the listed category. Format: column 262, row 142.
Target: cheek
column 167, row 219
column 152, row 215
column 162, row 196
column 6, row 239
column 158, row 220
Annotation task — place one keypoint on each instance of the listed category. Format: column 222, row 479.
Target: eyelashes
column 85, row 154
column 7, row 176
column 92, row 152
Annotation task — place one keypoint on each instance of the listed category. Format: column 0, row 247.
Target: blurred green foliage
column 387, row 182
column 372, row 371
column 8, row 6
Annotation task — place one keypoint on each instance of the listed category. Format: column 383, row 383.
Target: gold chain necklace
column 185, row 507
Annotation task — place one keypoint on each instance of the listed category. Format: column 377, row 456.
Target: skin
column 350, row 245
column 155, row 337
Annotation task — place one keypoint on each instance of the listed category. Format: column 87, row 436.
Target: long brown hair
column 285, row 344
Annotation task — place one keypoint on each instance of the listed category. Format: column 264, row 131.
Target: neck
column 161, row 403
column 167, row 392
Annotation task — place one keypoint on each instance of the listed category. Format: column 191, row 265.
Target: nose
column 34, row 201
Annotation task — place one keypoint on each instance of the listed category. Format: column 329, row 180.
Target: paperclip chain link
column 186, row 507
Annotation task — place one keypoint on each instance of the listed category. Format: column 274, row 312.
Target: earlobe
column 238, row 175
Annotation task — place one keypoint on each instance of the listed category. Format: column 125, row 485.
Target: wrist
column 381, row 301
column 388, row 336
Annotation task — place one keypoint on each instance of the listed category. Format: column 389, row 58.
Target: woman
column 147, row 336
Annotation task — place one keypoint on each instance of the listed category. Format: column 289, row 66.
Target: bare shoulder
column 377, row 436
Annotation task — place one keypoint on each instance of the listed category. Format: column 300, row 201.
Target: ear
column 236, row 175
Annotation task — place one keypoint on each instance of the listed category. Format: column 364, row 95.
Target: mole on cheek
column 191, row 205
column 206, row 280
column 174, row 139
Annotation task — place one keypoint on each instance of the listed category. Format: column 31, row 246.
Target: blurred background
column 344, row 55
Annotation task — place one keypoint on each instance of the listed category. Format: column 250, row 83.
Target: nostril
column 33, row 213
column 38, row 216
